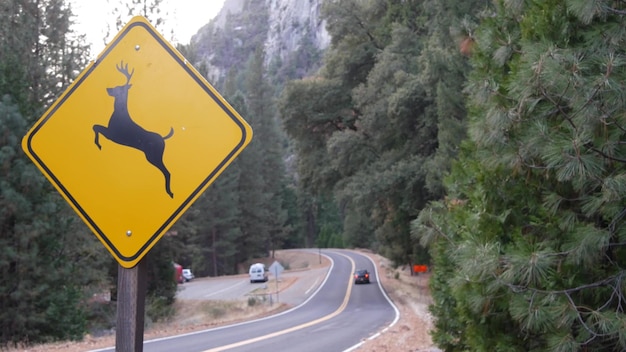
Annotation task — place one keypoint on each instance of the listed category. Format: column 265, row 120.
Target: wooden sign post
column 131, row 301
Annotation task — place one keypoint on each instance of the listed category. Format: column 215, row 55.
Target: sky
column 186, row 17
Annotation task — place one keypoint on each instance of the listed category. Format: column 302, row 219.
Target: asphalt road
column 338, row 316
column 238, row 287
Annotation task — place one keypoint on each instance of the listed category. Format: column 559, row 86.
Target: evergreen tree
column 533, row 224
column 42, row 267
column 39, row 55
column 208, row 234
column 49, row 263
column 362, row 130
column 443, row 69
column 294, row 224
column 271, row 216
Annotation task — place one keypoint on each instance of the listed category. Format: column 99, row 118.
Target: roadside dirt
column 409, row 293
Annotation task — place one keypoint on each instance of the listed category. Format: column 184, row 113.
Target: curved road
column 339, row 316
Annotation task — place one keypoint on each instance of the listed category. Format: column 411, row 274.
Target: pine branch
column 605, row 155
column 614, row 123
column 592, row 333
column 601, row 283
column 615, row 282
column 616, row 11
column 614, row 222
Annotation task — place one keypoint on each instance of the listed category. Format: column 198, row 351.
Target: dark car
column 361, row 277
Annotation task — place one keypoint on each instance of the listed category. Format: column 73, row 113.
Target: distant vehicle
column 188, row 275
column 178, row 273
column 258, row 273
column 361, row 277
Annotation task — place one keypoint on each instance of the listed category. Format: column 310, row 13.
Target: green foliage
column 251, row 209
column 270, row 224
column 158, row 308
column 527, row 246
column 101, row 317
column 63, row 320
column 294, row 224
column 39, row 294
column 329, row 239
column 378, row 126
column 39, row 55
column 49, row 264
column 160, row 272
column 208, row 235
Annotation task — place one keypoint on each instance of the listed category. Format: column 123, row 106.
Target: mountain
column 291, row 32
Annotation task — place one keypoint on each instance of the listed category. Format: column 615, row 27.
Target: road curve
column 339, row 316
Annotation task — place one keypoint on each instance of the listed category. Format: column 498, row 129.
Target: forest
column 480, row 137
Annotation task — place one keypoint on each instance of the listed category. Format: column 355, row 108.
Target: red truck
column 178, row 273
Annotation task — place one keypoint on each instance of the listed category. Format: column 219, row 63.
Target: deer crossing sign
column 135, row 140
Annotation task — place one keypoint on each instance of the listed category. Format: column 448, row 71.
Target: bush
column 101, row 317
column 158, row 308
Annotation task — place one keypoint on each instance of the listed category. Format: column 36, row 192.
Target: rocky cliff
column 290, row 21
column 286, row 29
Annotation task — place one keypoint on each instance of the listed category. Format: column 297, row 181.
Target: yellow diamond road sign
column 135, row 140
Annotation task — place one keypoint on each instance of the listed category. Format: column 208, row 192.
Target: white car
column 187, row 275
column 258, row 273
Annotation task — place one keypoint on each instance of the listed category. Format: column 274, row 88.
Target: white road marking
column 312, row 286
column 225, row 289
column 341, row 308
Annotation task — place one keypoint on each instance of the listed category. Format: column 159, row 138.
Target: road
column 239, row 287
column 336, row 317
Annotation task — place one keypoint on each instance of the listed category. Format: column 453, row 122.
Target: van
column 258, row 273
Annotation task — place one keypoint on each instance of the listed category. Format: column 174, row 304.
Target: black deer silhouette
column 123, row 130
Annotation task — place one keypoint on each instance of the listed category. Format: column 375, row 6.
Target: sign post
column 131, row 302
column 131, row 144
column 276, row 268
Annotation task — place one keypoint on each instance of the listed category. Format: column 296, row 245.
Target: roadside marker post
column 131, row 144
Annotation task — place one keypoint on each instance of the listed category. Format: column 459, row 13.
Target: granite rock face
column 280, row 26
column 290, row 21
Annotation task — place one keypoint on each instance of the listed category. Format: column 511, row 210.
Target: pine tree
column 533, row 220
column 271, row 216
column 41, row 264
column 362, row 130
column 209, row 235
column 39, row 55
column 49, row 263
